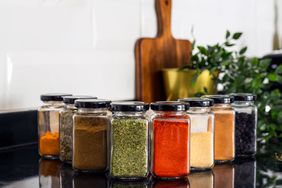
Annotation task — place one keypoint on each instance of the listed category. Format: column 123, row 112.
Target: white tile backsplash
column 106, row 74
column 45, row 28
column 116, row 24
column 148, row 19
column 87, row 46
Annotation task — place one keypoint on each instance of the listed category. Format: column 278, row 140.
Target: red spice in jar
column 171, row 147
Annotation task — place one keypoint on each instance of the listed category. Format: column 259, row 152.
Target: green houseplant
column 238, row 73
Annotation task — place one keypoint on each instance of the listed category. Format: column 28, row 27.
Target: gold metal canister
column 178, row 83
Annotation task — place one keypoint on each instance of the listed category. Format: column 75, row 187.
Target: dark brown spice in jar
column 91, row 140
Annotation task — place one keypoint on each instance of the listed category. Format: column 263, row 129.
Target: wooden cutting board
column 154, row 54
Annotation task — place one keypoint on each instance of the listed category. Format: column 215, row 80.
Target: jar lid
column 92, row 103
column 243, row 96
column 169, row 106
column 198, row 102
column 220, row 99
column 53, row 96
column 71, row 99
column 130, row 106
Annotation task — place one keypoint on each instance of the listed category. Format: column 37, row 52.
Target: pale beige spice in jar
column 202, row 155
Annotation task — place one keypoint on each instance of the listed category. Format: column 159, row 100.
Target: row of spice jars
column 174, row 148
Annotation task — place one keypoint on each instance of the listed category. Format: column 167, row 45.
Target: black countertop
column 22, row 167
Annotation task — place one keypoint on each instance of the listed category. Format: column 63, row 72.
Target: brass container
column 178, row 83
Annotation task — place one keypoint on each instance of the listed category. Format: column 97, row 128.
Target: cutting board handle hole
column 166, row 2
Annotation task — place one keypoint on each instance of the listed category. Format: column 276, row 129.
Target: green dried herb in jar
column 91, row 135
column 130, row 141
column 66, row 127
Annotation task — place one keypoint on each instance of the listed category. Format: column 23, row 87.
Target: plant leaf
column 237, row 35
column 279, row 70
column 272, row 77
column 243, row 50
column 203, row 50
column 227, row 35
column 228, row 44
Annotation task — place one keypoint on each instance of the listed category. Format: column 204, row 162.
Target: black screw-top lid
column 130, row 106
column 92, row 103
column 53, row 96
column 169, row 106
column 71, row 99
column 243, row 96
column 198, row 102
column 220, row 99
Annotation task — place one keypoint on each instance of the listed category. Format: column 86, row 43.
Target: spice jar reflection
column 49, row 171
column 179, row 183
column 245, row 174
column 224, row 176
column 90, row 180
column 201, row 179
column 129, row 184
column 66, row 176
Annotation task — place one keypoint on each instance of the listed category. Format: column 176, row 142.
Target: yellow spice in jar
column 202, row 155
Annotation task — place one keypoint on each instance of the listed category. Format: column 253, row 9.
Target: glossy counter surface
column 22, row 167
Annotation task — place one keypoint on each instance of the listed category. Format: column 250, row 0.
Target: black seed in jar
column 245, row 134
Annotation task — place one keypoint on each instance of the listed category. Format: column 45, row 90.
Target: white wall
column 86, row 46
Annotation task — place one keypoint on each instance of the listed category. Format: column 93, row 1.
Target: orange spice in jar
column 49, row 144
column 171, row 140
column 48, row 124
column 224, row 125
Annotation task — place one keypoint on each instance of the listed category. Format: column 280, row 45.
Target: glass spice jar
column 48, row 124
column 202, row 133
column 91, row 135
column 129, row 141
column 224, row 125
column 171, row 139
column 66, row 126
column 245, row 124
